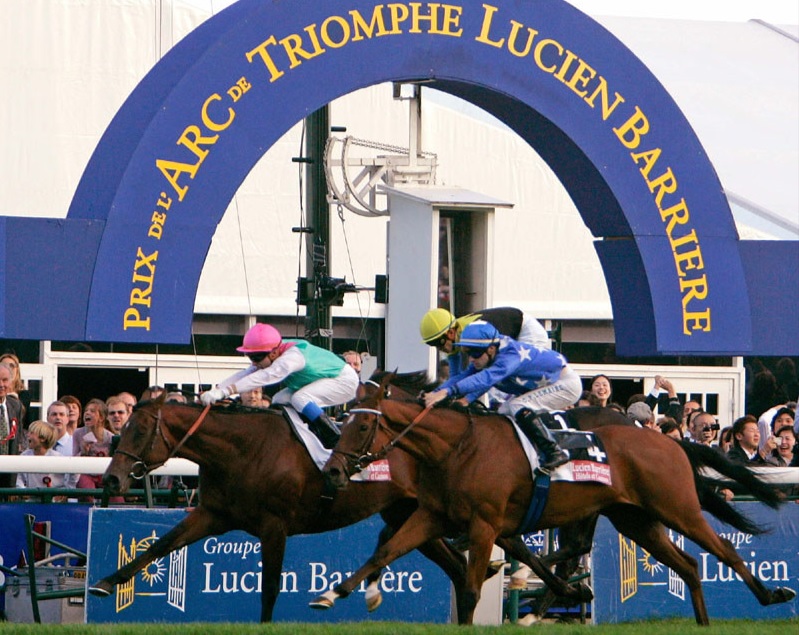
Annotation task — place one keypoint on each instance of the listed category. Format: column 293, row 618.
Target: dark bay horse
column 257, row 477
column 474, row 477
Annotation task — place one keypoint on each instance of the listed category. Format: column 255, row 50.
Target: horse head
column 142, row 447
column 356, row 447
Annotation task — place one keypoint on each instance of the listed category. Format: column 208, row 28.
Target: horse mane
column 231, row 408
column 411, row 382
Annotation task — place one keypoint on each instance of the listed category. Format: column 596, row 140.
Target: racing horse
column 476, row 478
column 256, row 476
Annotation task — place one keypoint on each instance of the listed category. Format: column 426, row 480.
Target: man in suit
column 11, row 411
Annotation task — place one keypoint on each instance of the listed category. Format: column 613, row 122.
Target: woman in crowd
column 93, row 439
column 784, row 453
column 600, row 386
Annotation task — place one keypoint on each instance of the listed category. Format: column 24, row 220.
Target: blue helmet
column 478, row 334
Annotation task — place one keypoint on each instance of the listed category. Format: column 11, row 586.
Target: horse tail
column 703, row 456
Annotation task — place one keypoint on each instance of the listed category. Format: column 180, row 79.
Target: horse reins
column 367, row 457
column 146, row 469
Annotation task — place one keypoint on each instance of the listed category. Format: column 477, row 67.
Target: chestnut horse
column 256, row 476
column 475, row 478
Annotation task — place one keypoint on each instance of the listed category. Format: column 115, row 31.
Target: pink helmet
column 261, row 338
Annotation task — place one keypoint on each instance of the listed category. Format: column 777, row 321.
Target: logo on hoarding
column 638, row 568
column 163, row 577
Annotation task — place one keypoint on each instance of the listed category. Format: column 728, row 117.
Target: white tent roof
column 738, row 85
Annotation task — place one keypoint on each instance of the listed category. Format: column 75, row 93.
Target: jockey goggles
column 256, row 357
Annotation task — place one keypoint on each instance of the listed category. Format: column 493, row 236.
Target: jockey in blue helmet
column 538, row 381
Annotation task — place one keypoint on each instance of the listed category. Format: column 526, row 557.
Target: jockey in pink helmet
column 313, row 377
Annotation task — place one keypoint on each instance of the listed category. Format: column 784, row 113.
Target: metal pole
column 319, row 324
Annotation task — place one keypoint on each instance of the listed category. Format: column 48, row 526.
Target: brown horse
column 476, row 478
column 257, row 477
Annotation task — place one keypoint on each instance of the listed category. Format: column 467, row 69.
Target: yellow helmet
column 435, row 323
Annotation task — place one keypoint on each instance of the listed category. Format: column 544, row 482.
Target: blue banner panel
column 68, row 525
column 218, row 579
column 629, row 584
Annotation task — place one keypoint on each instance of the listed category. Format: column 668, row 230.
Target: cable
column 362, row 333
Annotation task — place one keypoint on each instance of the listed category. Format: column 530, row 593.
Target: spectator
column 674, row 409
column 670, row 428
column 783, row 417
column 746, row 439
column 41, row 438
column 93, row 439
column 785, row 452
column 176, row 397
column 75, row 413
column 254, row 398
column 130, row 401
column 117, row 413
column 18, row 389
column 704, row 428
column 601, row 387
column 690, row 407
column 766, row 421
column 150, row 393
column 58, row 417
column 587, row 400
column 616, row 406
column 641, row 413
column 11, row 413
column 353, row 359
column 725, row 439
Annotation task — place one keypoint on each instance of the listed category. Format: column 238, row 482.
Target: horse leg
column 481, row 542
column 574, row 541
column 516, row 548
column 699, row 531
column 273, row 548
column 418, row 529
column 650, row 534
column 373, row 595
column 198, row 524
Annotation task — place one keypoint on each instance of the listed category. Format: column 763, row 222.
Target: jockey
column 538, row 381
column 314, row 377
column 443, row 330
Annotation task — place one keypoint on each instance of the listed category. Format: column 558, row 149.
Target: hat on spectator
column 640, row 412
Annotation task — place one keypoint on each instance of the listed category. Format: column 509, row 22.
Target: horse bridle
column 140, row 464
column 363, row 457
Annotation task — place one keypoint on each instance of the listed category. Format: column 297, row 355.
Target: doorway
column 101, row 383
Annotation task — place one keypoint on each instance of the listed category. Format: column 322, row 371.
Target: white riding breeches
column 533, row 332
column 559, row 395
column 332, row 391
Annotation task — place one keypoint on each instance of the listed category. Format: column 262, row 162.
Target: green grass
column 659, row 627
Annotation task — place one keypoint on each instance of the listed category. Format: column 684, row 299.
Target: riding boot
column 326, row 430
column 532, row 424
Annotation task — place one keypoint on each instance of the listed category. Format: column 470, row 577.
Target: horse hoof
column 497, row 565
column 374, row 602
column 782, row 594
column 321, row 603
column 101, row 590
column 584, row 593
column 528, row 620
column 517, row 584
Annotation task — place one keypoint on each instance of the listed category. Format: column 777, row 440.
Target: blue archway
column 177, row 151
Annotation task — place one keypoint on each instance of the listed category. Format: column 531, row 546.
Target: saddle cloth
column 587, row 458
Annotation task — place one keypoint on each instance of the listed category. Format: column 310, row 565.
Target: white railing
column 84, row 465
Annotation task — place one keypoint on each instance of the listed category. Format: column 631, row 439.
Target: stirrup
column 558, row 458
